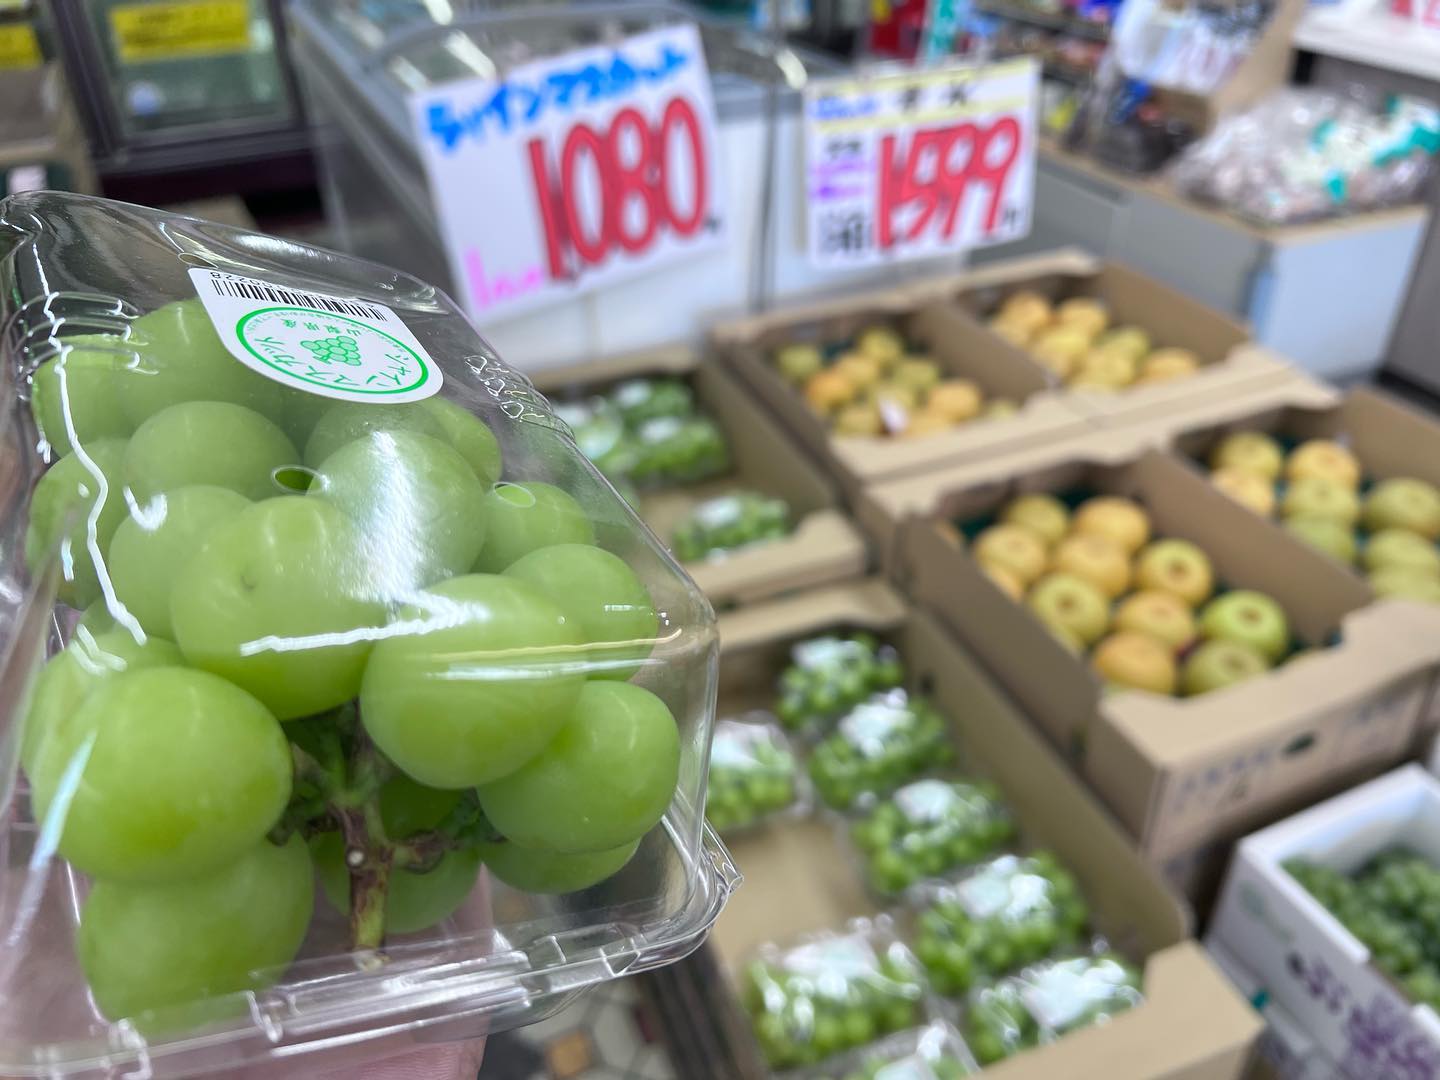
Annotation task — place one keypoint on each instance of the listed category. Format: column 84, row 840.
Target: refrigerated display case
column 358, row 62
column 167, row 87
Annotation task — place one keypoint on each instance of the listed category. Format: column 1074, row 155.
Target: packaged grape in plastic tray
column 727, row 522
column 370, row 717
column 754, row 774
column 929, row 827
column 876, row 747
column 933, row 1052
column 832, row 992
column 1046, row 1001
column 1007, row 912
column 831, row 674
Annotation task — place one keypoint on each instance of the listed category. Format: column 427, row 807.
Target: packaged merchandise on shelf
column 832, row 993
column 1303, row 154
column 1187, row 774
column 801, row 880
column 876, row 747
column 1331, row 912
column 934, row 1052
column 929, row 827
column 295, row 497
column 831, row 674
column 1006, row 913
column 708, row 472
column 754, row 774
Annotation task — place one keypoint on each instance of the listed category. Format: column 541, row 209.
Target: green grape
column 603, row 781
column 76, row 508
column 534, row 871
column 206, row 442
column 413, row 900
column 298, row 413
column 471, row 681
column 74, row 394
column 71, row 675
column 150, row 547
column 181, row 358
column 344, row 422
column 173, row 773
column 407, row 808
column 728, row 522
column 146, row 947
column 278, row 601
column 523, row 517
column 419, row 508
column 601, row 596
column 96, row 618
column 752, row 775
column 470, row 435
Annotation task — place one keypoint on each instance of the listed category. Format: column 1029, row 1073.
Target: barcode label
column 334, row 346
column 242, row 289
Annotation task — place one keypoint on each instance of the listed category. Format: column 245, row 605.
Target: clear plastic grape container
column 347, row 709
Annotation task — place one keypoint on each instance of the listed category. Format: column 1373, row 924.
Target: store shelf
column 1019, row 13
column 1376, row 40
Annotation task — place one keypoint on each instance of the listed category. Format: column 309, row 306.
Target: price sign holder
column 915, row 164
column 569, row 173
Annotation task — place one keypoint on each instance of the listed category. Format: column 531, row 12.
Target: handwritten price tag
column 916, row 164
column 575, row 171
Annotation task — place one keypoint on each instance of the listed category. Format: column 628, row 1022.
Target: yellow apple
column 1071, row 604
column 1247, row 488
column 1318, row 497
column 882, row 344
column 1097, row 559
column 959, row 399
column 1176, row 566
column 1160, row 614
column 1017, row 551
column 1323, row 459
column 1084, row 314
column 1253, row 451
column 1116, row 517
column 1041, row 513
column 1162, row 365
column 1135, row 662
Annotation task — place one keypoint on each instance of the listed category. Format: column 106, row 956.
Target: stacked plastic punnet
column 345, row 705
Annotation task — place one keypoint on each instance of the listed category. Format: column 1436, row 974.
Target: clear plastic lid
column 368, row 706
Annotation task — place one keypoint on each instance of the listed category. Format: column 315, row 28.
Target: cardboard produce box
column 799, row 877
column 959, row 345
column 1229, row 363
column 824, row 545
column 1185, row 775
column 1301, row 956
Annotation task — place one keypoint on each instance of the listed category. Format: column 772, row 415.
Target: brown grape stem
column 369, row 858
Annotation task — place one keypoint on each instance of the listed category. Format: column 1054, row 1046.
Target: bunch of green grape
column 753, row 774
column 731, row 521
column 329, row 639
column 1047, row 1001
column 1392, row 905
column 929, row 827
column 934, row 1052
column 830, row 675
column 676, row 450
column 831, row 995
column 641, row 400
column 1012, row 911
column 876, row 747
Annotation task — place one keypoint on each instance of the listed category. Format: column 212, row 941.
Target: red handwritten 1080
column 634, row 165
column 925, row 175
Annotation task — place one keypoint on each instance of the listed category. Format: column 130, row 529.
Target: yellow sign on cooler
column 145, row 32
column 19, row 47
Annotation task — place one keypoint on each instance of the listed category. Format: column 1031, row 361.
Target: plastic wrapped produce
column 876, row 747
column 1011, row 911
column 1044, row 1002
column 929, row 827
column 730, row 521
column 678, row 450
column 753, row 774
column 934, row 1052
column 832, row 674
column 641, row 400
column 1303, row 154
column 832, row 993
column 355, row 605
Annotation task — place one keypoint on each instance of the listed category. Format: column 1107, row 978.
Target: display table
column 1326, row 294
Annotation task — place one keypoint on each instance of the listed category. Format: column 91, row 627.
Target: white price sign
column 915, row 164
column 575, row 171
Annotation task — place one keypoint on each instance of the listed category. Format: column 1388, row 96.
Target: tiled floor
column 603, row 1036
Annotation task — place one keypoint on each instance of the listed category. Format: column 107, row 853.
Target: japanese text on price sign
column 575, row 171
column 915, row 164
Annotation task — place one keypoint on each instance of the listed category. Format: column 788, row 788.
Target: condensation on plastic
column 1306, row 154
column 755, row 775
column 930, row 827
column 74, row 265
column 933, row 1052
column 832, row 992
